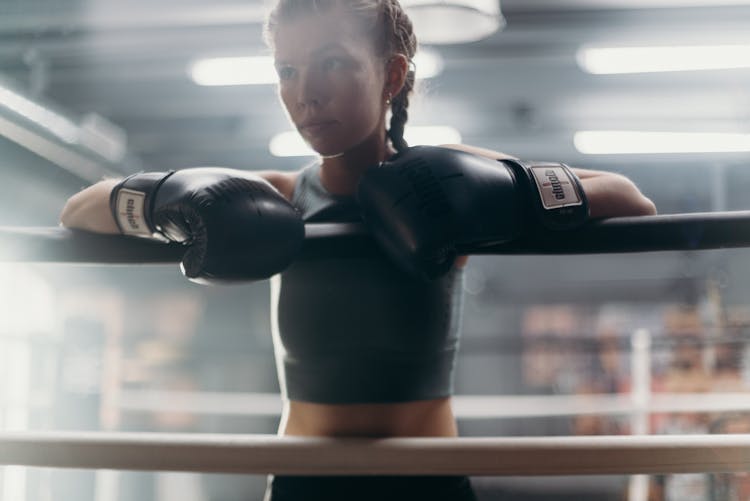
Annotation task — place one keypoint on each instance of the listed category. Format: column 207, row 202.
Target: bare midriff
column 424, row 418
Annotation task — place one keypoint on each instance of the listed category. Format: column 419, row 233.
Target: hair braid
column 400, row 113
column 399, row 39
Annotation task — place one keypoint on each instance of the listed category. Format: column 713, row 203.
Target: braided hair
column 390, row 29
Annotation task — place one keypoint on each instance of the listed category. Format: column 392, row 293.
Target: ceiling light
column 612, row 60
column 57, row 153
column 454, row 21
column 429, row 63
column 634, row 142
column 260, row 70
column 93, row 132
column 43, row 117
column 103, row 137
column 234, row 71
column 291, row 144
column 57, row 137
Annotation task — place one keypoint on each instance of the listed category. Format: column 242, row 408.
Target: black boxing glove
column 426, row 205
column 236, row 225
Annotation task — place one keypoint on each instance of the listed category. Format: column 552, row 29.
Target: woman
column 362, row 349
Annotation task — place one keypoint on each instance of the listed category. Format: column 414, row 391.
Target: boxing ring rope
column 697, row 231
column 263, row 454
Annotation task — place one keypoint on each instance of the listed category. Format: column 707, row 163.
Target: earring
column 388, row 99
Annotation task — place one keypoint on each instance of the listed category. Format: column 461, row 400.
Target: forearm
column 613, row 195
column 89, row 209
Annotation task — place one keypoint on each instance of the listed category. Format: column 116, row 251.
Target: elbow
column 639, row 204
column 71, row 213
column 66, row 214
column 646, row 207
column 618, row 196
column 89, row 209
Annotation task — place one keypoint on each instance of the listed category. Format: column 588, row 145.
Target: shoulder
column 475, row 150
column 282, row 181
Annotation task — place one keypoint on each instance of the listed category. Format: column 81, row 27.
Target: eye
column 285, row 72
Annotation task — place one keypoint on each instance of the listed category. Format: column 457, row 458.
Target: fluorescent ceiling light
column 429, row 63
column 634, row 142
column 103, row 137
column 454, row 21
column 64, row 156
column 234, row 71
column 291, row 144
column 613, row 60
column 41, row 116
column 259, row 70
column 95, row 133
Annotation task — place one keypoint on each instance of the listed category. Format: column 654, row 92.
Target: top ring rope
column 694, row 231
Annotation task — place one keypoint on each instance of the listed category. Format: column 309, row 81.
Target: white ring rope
column 264, row 454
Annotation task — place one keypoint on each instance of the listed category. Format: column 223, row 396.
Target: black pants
column 380, row 488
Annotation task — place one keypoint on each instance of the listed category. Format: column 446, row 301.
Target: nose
column 312, row 90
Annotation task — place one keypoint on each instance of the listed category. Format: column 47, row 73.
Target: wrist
column 554, row 191
column 131, row 203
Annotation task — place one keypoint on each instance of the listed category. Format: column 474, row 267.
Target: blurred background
column 658, row 90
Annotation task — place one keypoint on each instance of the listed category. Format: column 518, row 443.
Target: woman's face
column 330, row 81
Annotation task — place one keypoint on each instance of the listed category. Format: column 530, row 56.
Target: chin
column 329, row 150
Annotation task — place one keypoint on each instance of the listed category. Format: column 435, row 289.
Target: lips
column 316, row 126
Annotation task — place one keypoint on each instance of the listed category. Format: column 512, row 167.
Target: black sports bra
column 359, row 330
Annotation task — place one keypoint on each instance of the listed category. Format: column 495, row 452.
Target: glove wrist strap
column 556, row 192
column 131, row 202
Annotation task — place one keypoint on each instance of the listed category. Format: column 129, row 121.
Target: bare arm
column 89, row 208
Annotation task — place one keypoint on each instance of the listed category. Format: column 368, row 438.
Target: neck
column 340, row 175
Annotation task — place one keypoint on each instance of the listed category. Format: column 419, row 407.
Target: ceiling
column 519, row 91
